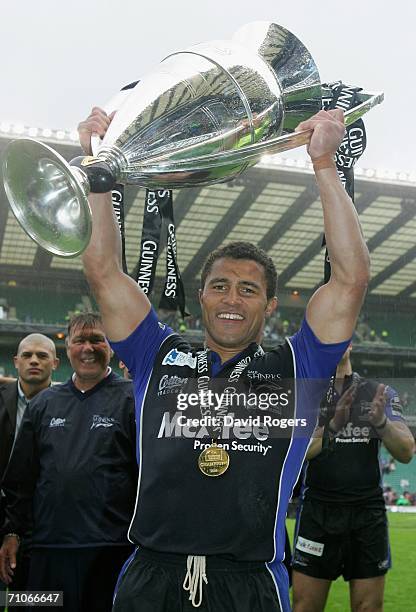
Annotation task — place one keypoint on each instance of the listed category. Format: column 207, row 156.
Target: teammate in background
column 75, row 460
column 219, row 541
column 123, row 368
column 35, row 362
column 342, row 526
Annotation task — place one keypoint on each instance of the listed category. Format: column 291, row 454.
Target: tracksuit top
column 73, row 468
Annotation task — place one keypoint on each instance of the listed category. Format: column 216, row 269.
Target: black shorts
column 333, row 540
column 153, row 582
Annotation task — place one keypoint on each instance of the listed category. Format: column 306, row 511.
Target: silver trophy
column 202, row 117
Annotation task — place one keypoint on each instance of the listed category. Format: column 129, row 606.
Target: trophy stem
column 115, row 159
column 102, row 171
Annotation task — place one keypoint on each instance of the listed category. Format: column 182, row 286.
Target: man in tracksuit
column 73, row 475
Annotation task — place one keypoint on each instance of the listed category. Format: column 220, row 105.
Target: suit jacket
column 8, row 412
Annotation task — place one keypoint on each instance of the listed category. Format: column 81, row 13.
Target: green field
column 400, row 593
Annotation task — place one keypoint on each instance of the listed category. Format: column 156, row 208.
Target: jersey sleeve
column 313, row 358
column 393, row 408
column 138, row 351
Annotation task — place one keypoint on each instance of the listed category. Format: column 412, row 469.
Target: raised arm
column 122, row 303
column 333, row 309
column 393, row 431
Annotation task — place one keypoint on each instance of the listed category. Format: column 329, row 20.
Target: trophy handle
column 253, row 153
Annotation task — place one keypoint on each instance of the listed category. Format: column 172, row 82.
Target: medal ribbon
column 203, row 379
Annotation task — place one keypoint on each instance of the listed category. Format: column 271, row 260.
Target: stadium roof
column 274, row 205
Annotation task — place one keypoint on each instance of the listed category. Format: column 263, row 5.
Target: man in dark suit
column 35, row 361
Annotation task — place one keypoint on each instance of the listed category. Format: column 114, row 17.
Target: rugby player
column 210, row 532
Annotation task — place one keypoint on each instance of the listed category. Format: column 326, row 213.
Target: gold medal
column 213, row 461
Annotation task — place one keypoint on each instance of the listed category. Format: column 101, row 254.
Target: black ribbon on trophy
column 117, row 198
column 173, row 295
column 158, row 213
column 351, row 148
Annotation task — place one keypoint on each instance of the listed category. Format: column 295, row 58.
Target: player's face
column 35, row 362
column 234, row 303
column 89, row 352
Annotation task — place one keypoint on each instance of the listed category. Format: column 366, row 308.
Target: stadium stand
column 399, row 479
column 33, row 306
column 396, row 331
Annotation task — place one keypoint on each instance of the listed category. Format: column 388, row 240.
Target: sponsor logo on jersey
column 161, row 325
column 254, row 375
column 55, row 422
column 171, row 384
column 309, row 546
column 354, row 433
column 176, row 426
column 100, row 421
column 177, row 358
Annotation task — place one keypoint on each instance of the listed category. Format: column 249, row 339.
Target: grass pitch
column 400, row 591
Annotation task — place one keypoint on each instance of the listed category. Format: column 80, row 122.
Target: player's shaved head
column 38, row 339
column 35, row 361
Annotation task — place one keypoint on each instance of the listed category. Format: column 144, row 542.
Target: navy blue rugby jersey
column 241, row 513
column 73, row 467
column 348, row 472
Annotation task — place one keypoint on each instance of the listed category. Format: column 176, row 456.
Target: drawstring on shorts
column 195, row 576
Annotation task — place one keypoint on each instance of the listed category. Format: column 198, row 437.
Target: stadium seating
column 403, row 478
column 401, row 330
column 41, row 306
